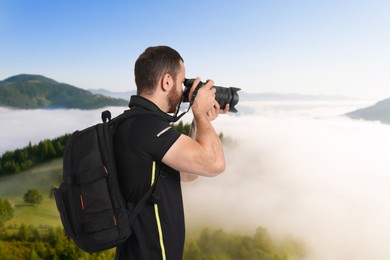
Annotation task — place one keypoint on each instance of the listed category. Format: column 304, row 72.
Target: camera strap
column 176, row 117
column 200, row 84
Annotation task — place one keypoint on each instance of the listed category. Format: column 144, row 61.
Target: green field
column 42, row 178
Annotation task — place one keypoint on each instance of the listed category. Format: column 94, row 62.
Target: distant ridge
column 377, row 112
column 123, row 95
column 27, row 91
column 270, row 96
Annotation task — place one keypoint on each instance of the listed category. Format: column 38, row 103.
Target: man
column 147, row 149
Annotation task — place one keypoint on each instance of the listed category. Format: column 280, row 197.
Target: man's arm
column 202, row 153
column 184, row 176
column 212, row 114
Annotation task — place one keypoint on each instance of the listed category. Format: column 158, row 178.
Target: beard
column 174, row 98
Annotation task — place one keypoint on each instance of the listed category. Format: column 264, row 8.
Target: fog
column 297, row 169
column 302, row 170
column 18, row 127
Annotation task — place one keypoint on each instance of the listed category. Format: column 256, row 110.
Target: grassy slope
column 43, row 177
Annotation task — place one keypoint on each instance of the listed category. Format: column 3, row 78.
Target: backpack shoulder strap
column 151, row 196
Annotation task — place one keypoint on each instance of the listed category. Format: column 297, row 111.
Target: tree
column 33, row 196
column 182, row 128
column 192, row 251
column 31, row 155
column 6, row 211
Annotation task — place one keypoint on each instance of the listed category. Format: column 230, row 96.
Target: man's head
column 159, row 72
column 152, row 65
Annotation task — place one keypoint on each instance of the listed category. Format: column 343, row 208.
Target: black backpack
column 93, row 210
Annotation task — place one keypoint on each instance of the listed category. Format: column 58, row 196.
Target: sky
column 333, row 47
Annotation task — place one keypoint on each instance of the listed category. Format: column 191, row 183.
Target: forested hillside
column 35, row 91
column 32, row 155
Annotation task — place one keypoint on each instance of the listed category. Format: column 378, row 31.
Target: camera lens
column 223, row 95
column 226, row 96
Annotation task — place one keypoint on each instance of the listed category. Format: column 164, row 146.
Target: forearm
column 204, row 133
column 206, row 138
column 187, row 177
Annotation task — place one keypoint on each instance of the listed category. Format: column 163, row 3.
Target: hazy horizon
column 69, row 120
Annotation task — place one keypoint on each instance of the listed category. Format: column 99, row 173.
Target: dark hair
column 152, row 64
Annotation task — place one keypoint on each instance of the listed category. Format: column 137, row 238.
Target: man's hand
column 205, row 98
column 216, row 110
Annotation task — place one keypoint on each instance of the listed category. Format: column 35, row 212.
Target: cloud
column 323, row 179
column 18, row 127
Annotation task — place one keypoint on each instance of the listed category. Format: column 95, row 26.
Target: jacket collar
column 139, row 101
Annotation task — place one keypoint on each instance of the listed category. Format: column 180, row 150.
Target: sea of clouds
column 294, row 168
column 302, row 169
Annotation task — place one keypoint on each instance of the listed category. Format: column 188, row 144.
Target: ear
column 166, row 82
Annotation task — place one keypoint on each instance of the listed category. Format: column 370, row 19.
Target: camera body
column 223, row 95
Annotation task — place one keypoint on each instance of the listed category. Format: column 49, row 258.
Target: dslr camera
column 223, row 95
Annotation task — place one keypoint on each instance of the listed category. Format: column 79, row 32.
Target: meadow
column 42, row 178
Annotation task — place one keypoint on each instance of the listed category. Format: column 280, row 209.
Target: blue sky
column 309, row 47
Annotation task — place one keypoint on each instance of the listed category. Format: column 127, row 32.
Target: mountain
column 377, row 112
column 36, row 91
